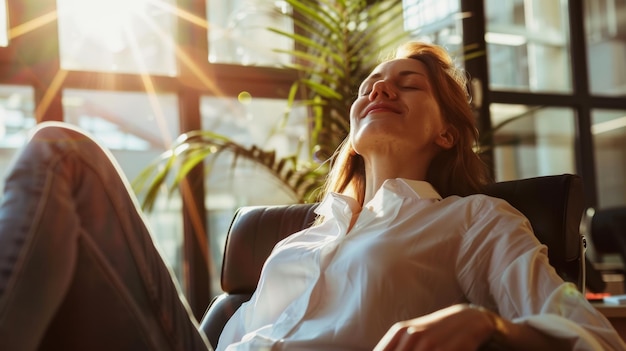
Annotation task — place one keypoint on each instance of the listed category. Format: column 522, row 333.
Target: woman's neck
column 377, row 171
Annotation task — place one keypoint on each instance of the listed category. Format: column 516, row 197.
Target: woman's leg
column 78, row 269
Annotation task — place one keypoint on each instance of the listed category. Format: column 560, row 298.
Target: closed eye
column 365, row 90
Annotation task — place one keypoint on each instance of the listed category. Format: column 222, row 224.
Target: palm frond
column 198, row 146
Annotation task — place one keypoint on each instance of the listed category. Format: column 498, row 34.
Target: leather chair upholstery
column 553, row 204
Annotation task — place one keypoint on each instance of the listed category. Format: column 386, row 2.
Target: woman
column 397, row 257
column 400, row 239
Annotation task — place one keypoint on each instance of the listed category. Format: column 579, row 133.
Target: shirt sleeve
column 504, row 267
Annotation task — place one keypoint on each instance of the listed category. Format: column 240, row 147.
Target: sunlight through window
column 4, row 24
column 17, row 117
column 238, row 32
column 118, row 36
column 133, row 121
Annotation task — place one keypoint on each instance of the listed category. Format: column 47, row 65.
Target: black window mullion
column 37, row 53
column 474, row 23
column 584, row 141
column 193, row 45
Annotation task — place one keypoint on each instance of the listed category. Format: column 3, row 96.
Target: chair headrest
column 252, row 235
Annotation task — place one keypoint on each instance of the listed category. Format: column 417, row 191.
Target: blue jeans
column 78, row 268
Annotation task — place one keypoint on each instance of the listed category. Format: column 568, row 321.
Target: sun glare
column 105, row 21
column 126, row 36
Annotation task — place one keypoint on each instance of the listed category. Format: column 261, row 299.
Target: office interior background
column 138, row 73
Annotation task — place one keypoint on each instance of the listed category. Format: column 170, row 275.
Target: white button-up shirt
column 409, row 253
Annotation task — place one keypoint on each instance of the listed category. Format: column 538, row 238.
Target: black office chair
column 553, row 204
column 608, row 231
column 606, row 228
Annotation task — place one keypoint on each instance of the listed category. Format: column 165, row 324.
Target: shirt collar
column 399, row 186
column 423, row 189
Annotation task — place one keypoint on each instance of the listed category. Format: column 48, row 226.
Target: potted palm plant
column 337, row 43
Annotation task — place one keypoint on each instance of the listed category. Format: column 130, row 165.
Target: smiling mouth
column 379, row 109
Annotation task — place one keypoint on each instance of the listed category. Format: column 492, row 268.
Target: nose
column 382, row 87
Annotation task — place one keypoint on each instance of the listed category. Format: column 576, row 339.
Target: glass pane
column 605, row 26
column 4, row 24
column 118, row 36
column 124, row 120
column 609, row 140
column 532, row 141
column 528, row 45
column 238, row 32
column 247, row 121
column 435, row 21
column 136, row 128
column 17, row 118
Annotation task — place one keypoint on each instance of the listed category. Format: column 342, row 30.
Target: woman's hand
column 466, row 328
column 458, row 327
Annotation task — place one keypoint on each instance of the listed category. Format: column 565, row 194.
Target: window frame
column 581, row 100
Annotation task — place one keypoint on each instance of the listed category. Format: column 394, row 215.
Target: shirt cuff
column 562, row 328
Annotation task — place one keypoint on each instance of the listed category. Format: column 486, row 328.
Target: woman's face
column 396, row 111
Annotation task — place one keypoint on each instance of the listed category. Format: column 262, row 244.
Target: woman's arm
column 466, row 327
column 503, row 267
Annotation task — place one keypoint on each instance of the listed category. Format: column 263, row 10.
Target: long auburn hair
column 456, row 171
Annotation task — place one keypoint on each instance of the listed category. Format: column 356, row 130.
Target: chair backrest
column 553, row 204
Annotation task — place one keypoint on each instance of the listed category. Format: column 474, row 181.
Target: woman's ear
column 447, row 137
